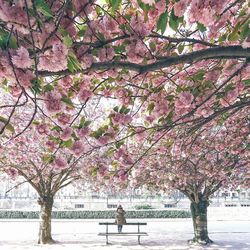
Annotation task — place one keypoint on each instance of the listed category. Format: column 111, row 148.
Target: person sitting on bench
column 120, row 218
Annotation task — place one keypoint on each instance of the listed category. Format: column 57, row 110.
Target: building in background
column 71, row 197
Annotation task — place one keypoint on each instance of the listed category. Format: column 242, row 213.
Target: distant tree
column 199, row 165
column 47, row 167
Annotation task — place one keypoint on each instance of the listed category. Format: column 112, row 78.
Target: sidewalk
column 163, row 234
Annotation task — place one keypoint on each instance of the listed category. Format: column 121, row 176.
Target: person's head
column 119, row 207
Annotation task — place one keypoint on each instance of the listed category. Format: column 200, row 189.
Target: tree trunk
column 199, row 216
column 46, row 204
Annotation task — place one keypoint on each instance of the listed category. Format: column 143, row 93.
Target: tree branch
column 230, row 52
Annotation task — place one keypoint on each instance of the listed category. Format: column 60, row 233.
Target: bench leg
column 139, row 237
column 107, row 230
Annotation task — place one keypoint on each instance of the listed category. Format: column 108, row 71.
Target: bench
column 138, row 233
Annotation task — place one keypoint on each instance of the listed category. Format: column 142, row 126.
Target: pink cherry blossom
column 53, row 101
column 204, row 111
column 84, row 94
column 66, row 135
column 230, row 98
column 42, row 129
column 54, row 59
column 64, row 119
column 139, row 26
column 15, row 90
column 22, row 59
column 184, row 102
column 106, row 54
column 66, row 82
column 60, row 163
column 82, row 132
column 87, row 60
column 246, row 43
column 77, row 148
column 180, row 7
column 12, row 172
column 51, row 145
column 25, row 78
column 150, row 2
column 103, row 139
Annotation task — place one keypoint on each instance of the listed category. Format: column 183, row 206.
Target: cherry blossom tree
column 180, row 61
column 48, row 159
column 198, row 165
column 160, row 66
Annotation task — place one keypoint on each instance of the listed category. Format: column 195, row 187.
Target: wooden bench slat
column 124, row 234
column 129, row 223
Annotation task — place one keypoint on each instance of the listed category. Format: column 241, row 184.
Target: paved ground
column 163, row 234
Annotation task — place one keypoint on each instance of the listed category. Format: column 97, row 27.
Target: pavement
column 163, row 234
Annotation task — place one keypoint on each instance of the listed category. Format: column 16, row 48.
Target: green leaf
column 67, row 101
column 73, row 63
column 35, row 122
column 144, row 6
column 87, row 123
column 82, row 31
column 124, row 110
column 170, row 97
column 195, row 92
column 198, row 76
column 174, row 21
column 247, row 82
column 181, row 48
column 56, row 128
column 162, row 22
column 116, row 109
column 152, row 46
column 97, row 134
column 82, row 121
column 229, row 87
column 67, row 41
column 245, row 31
column 68, row 143
column 201, row 27
column 48, row 158
column 115, row 4
column 150, row 107
column 119, row 144
column 111, row 151
column 48, row 88
column 43, row 8
column 7, row 40
column 120, row 48
column 234, row 36
column 9, row 126
column 223, row 118
column 222, row 38
column 70, row 66
column 36, row 85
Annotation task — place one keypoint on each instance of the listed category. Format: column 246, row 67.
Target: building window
column 243, row 195
column 230, row 205
column 79, row 205
column 234, row 195
column 168, row 205
column 138, row 192
column 245, row 205
column 111, row 206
